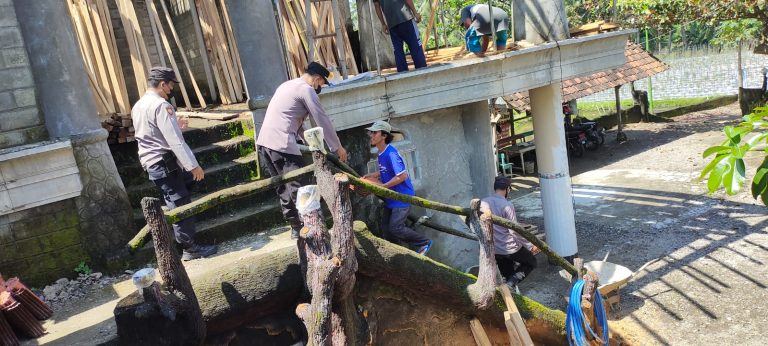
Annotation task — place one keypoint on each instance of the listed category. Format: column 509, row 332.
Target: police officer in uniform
column 166, row 157
column 292, row 102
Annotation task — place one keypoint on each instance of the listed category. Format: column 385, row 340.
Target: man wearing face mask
column 165, row 156
column 287, row 110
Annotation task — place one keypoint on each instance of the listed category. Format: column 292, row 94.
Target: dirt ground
column 640, row 201
column 636, row 202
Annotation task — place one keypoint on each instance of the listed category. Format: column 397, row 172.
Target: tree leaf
column 734, row 175
column 710, row 166
column 760, row 181
column 716, row 176
column 716, row 149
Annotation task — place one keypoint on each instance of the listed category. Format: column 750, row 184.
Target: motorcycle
column 576, row 141
column 594, row 132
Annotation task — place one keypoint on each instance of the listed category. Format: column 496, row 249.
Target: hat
column 162, row 73
column 501, row 183
column 318, row 69
column 380, row 125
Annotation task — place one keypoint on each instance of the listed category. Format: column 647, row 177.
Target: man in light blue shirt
column 393, row 175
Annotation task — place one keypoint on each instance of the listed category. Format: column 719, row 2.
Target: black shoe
column 198, row 251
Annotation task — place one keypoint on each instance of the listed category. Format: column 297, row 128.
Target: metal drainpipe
column 375, row 40
column 554, row 176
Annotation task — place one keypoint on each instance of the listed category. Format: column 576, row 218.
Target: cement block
column 10, row 37
column 8, row 16
column 15, row 57
column 24, row 136
column 19, row 118
column 6, row 101
column 25, row 97
column 6, row 237
column 15, row 78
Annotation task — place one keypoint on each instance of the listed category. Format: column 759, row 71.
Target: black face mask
column 318, row 90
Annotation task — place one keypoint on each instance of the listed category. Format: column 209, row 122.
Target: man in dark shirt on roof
column 401, row 18
column 394, row 176
column 477, row 20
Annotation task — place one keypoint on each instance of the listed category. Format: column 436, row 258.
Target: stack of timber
column 295, row 34
column 21, row 312
column 96, row 35
column 101, row 55
column 120, row 127
column 593, row 28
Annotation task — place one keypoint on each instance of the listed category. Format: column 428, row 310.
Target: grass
column 593, row 110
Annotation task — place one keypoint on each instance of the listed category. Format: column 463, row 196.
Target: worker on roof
column 292, row 102
column 165, row 156
column 476, row 19
column 401, row 18
column 393, row 175
column 515, row 255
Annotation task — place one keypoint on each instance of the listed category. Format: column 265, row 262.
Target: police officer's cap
column 162, row 73
column 319, row 70
column 501, row 183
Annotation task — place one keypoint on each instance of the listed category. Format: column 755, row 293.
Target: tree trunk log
column 452, row 209
column 484, row 290
column 217, row 198
column 171, row 269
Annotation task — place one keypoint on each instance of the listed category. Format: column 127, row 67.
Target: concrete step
column 207, row 156
column 227, row 174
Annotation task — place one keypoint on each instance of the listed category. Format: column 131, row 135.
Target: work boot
column 424, row 249
column 198, row 251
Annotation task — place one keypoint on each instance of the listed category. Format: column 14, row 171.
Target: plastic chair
column 506, row 167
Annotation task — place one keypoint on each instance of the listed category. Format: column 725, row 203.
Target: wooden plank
column 235, row 52
column 156, row 18
column 155, row 34
column 139, row 70
column 216, row 41
column 430, row 25
column 518, row 326
column 111, row 50
column 202, row 48
column 481, row 338
column 93, row 44
column 222, row 88
column 138, row 37
column 199, row 95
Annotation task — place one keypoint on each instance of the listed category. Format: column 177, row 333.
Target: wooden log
column 156, row 19
column 322, row 270
column 171, row 269
column 484, row 290
column 452, row 209
column 219, row 197
column 176, row 39
column 430, row 24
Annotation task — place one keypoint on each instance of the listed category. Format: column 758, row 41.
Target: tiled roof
column 640, row 64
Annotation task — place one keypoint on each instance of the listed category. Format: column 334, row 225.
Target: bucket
column 529, row 166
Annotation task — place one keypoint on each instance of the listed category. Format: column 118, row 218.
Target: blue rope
column 575, row 319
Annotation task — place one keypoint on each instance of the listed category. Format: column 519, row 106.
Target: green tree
column 727, row 169
column 735, row 32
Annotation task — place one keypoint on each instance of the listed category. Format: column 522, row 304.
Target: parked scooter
column 593, row 131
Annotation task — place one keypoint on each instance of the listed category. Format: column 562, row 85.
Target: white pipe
column 554, row 178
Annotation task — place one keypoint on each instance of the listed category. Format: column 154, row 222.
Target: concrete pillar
column 539, row 21
column 476, row 120
column 66, row 101
column 254, row 24
column 552, row 161
column 367, row 49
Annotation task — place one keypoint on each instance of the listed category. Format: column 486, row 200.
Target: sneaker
column 198, row 251
column 424, row 249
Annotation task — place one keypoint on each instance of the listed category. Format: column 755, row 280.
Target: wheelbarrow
column 612, row 278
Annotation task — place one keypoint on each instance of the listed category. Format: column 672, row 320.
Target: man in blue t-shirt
column 394, row 176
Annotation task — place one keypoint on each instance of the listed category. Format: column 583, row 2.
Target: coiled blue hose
column 575, row 321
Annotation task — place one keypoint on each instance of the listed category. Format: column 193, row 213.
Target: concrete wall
column 453, row 163
column 41, row 244
column 20, row 119
column 539, row 21
column 258, row 39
